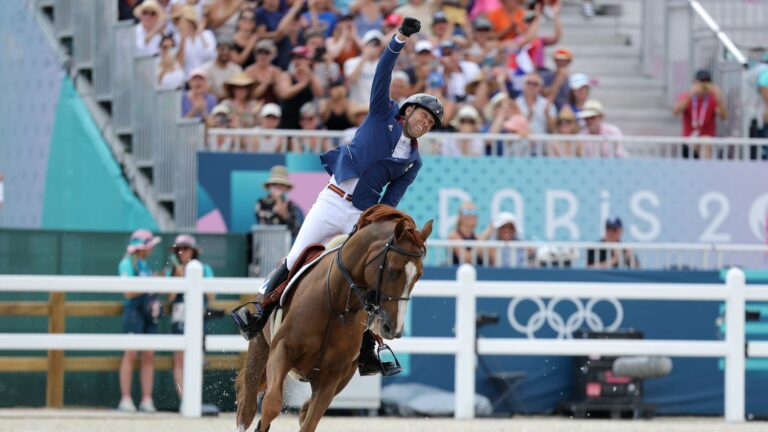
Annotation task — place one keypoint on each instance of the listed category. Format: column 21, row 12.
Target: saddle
column 308, row 255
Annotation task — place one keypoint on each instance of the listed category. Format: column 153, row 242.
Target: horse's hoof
column 258, row 427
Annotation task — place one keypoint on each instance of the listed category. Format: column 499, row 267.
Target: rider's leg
column 322, row 222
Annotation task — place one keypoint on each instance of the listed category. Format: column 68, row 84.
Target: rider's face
column 420, row 121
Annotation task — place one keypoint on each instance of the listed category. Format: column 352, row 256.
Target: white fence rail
column 466, row 289
column 504, row 144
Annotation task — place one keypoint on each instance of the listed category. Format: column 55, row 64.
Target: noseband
column 371, row 298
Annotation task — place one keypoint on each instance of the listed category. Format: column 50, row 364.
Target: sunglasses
column 306, row 118
column 467, row 120
column 166, row 46
column 261, row 51
column 148, row 13
column 533, row 83
column 468, row 212
column 182, row 248
column 568, row 121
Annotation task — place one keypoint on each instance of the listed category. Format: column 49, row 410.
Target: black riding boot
column 369, row 361
column 250, row 324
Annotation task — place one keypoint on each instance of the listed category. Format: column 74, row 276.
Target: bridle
column 370, row 298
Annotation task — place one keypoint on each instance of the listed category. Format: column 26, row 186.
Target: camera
column 484, row 319
column 319, row 54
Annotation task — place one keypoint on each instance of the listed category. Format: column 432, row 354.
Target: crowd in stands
column 294, row 64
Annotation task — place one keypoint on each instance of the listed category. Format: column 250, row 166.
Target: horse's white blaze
column 410, row 274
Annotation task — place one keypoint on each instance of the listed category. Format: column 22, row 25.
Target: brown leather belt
column 339, row 191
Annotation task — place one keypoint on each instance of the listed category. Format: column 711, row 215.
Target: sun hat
column 148, row 4
column 579, row 80
column 278, row 175
column 504, row 218
column 142, row 239
column 467, row 111
column 185, row 240
column 591, row 108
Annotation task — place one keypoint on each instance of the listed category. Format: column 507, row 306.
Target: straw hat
column 467, row 111
column 152, row 5
column 187, row 12
column 566, row 113
column 488, row 111
column 240, row 79
column 478, row 78
column 142, row 239
column 278, row 175
column 592, row 108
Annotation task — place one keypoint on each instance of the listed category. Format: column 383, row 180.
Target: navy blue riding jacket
column 369, row 156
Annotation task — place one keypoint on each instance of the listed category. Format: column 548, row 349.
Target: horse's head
column 396, row 265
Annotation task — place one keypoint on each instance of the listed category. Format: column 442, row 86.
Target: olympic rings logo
column 546, row 314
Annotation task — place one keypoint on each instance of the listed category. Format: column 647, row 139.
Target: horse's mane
column 383, row 213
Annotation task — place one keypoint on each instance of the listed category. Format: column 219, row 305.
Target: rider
column 376, row 158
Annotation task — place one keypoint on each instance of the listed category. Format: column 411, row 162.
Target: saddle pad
column 301, row 271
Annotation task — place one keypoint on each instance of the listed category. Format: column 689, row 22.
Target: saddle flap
column 308, row 258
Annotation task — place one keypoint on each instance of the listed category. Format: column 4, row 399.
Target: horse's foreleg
column 322, row 396
column 303, row 411
column 249, row 380
column 278, row 366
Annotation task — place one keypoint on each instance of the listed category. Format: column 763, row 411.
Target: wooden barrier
column 57, row 309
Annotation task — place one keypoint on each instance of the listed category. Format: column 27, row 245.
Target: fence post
column 734, row 338
column 192, row 387
column 465, row 340
column 54, row 394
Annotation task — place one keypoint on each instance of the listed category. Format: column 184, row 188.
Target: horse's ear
column 427, row 230
column 399, row 228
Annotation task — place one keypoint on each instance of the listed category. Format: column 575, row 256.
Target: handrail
column 712, row 24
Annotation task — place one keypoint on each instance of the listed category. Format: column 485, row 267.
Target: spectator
column 269, row 119
column 170, row 74
column 309, row 119
column 436, row 87
column 400, row 87
column 480, row 89
column 239, row 90
column 756, row 102
column 483, row 8
column 456, row 12
column 504, row 116
column 611, row 146
column 509, row 19
column 197, row 101
column 465, row 230
column 700, row 108
column 359, row 70
column 335, row 108
column 535, row 107
column 222, row 17
column 504, row 228
column 264, row 73
column 184, row 250
column 221, row 69
column 275, row 208
column 539, row 43
column 323, row 66
column 319, row 16
column 390, row 25
column 272, row 22
column 141, row 313
column 195, row 48
column 588, row 8
column 357, row 114
column 444, row 31
column 126, row 9
column 458, row 73
column 556, row 84
column 612, row 258
column 467, row 121
column 149, row 30
column 423, row 65
column 419, row 9
column 244, row 40
column 367, row 16
column 297, row 86
column 221, row 117
column 484, row 48
column 344, row 43
column 580, row 90
column 567, row 124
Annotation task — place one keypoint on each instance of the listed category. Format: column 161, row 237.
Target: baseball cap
column 393, row 20
column 447, row 45
column 481, row 23
column 424, row 45
column 504, row 218
column 592, row 108
column 372, row 35
column 271, row 109
column 439, row 17
column 221, row 109
column 562, row 54
column 578, row 80
column 198, row 72
column 300, row 51
column 400, row 75
column 703, row 75
column 613, row 222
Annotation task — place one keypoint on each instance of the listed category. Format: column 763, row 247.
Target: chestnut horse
column 364, row 284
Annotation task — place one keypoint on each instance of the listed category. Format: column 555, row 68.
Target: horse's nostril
column 387, row 329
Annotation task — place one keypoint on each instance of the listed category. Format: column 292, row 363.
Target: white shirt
column 171, row 80
column 538, row 118
column 218, row 75
column 360, row 90
column 457, row 81
column 146, row 48
column 197, row 50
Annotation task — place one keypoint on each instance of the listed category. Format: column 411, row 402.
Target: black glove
column 410, row 26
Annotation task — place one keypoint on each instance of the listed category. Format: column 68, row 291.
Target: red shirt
column 699, row 118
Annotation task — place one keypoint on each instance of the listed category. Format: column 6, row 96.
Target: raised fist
column 410, row 26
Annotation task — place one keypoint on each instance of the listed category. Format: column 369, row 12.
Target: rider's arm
column 380, row 101
column 396, row 188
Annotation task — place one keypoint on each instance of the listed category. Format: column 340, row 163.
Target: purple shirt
column 186, row 104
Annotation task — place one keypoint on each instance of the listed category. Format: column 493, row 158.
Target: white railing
column 646, row 256
column 568, row 146
column 466, row 289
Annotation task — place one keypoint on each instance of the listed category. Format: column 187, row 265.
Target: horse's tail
column 249, row 381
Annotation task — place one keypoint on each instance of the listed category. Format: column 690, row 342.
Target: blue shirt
column 126, row 267
column 327, row 18
column 186, row 104
column 369, row 156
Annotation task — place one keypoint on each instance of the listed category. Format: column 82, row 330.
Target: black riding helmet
column 429, row 103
